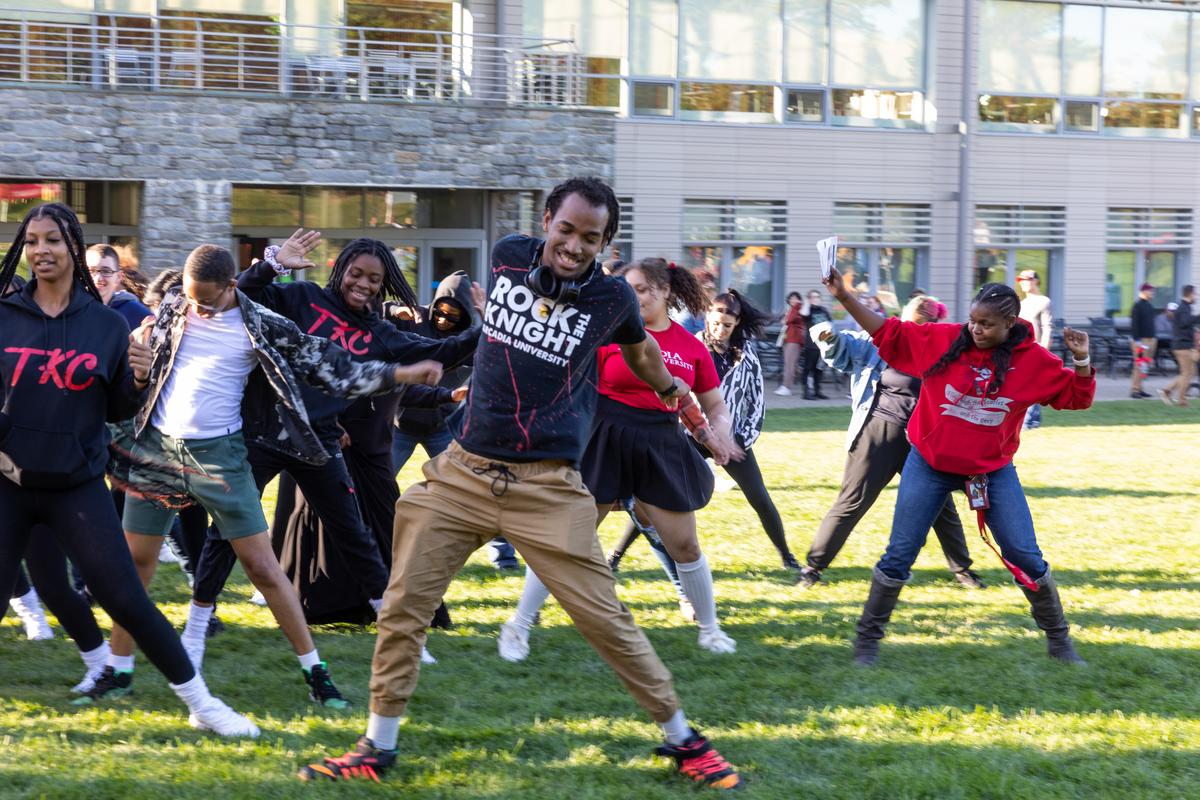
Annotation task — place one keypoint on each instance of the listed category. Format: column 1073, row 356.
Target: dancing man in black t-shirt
column 512, row 469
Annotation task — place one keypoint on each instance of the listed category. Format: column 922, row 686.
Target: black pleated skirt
column 645, row 454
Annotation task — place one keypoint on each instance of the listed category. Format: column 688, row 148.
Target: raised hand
column 422, row 372
column 293, row 253
column 478, row 297
column 1077, row 342
column 835, row 284
column 139, row 355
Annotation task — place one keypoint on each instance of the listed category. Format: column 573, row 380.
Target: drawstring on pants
column 501, row 476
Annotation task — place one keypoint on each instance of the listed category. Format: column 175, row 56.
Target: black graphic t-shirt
column 533, row 393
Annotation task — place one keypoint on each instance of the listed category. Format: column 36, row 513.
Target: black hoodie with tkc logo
column 63, row 378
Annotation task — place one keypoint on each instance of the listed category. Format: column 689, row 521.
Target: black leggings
column 85, row 526
column 22, row 586
column 749, row 479
column 48, row 571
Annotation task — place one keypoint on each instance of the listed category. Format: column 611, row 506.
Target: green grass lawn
column 963, row 703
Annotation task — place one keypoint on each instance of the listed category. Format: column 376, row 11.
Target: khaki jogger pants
column 544, row 510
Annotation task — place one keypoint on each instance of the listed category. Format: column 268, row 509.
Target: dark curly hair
column 1004, row 301
column 72, row 233
column 597, row 193
column 683, row 289
column 750, row 320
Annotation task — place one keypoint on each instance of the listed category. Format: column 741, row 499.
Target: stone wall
column 189, row 149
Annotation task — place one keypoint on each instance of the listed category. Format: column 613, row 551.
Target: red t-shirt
column 684, row 355
column 959, row 426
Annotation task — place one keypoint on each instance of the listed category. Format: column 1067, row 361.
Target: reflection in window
column 1039, row 262
column 726, row 101
column 1010, row 113
column 1145, row 53
column 1082, row 26
column 807, row 24
column 876, row 108
column 1081, row 115
column 259, row 206
column 1161, row 272
column 388, row 209
column 897, row 276
column 1119, row 280
column 991, row 266
column 1129, row 118
column 707, row 259
column 878, row 42
column 603, row 92
column 653, row 99
column 1019, row 47
column 333, row 208
column 752, row 273
column 730, row 41
column 653, row 29
column 17, row 198
column 805, row 105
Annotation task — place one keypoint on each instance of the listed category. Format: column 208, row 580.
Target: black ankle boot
column 876, row 612
column 1048, row 614
column 441, row 618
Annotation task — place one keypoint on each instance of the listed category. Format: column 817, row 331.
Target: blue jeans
column 923, row 492
column 404, row 445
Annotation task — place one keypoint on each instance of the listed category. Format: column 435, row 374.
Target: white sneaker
column 783, row 391
column 258, row 599
column 195, row 650
column 222, row 720
column 89, row 679
column 165, row 556
column 513, row 643
column 29, row 610
column 717, row 642
column 426, row 656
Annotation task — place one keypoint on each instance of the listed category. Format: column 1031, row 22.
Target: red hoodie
column 954, row 427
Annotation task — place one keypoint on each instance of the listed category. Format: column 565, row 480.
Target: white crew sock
column 120, row 663
column 533, row 597
column 676, row 729
column 696, row 579
column 309, row 660
column 197, row 623
column 194, row 693
column 383, row 731
column 27, row 604
column 95, row 658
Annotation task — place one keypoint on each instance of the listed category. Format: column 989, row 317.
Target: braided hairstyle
column 683, row 288
column 394, row 284
column 72, row 233
column 1004, row 301
column 597, row 193
column 750, row 320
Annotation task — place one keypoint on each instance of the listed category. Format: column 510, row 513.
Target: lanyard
column 977, row 498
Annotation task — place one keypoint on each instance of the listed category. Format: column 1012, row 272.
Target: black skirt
column 645, row 454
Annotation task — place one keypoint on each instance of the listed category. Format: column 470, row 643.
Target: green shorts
column 213, row 472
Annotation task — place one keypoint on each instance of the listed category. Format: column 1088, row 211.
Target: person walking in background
column 1141, row 318
column 813, row 314
column 793, row 342
column 1035, row 309
column 1183, row 347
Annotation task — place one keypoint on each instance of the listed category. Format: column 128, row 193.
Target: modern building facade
column 946, row 142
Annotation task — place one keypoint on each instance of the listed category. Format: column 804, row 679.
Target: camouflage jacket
column 273, row 412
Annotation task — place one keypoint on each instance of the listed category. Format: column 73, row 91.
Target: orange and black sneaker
column 364, row 761
column 700, row 761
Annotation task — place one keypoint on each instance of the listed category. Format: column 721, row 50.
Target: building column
column 179, row 215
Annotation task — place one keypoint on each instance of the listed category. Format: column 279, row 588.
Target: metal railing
column 107, row 52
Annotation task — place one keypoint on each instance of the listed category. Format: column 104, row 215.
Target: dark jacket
column 1141, row 320
column 1183, row 327
column 63, row 378
column 128, row 306
column 422, row 420
column 320, row 311
column 273, row 414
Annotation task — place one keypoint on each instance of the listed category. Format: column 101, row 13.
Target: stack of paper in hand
column 827, row 251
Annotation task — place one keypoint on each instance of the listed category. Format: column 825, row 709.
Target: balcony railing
column 106, row 52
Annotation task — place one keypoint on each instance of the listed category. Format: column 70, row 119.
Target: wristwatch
column 667, row 391
column 269, row 257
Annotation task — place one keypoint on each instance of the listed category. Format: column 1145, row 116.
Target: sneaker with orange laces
column 364, row 761
column 700, row 761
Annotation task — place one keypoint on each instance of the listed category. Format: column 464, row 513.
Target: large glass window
column 726, row 101
column 807, row 25
column 730, row 41
column 109, row 211
column 1048, row 67
column 653, row 29
column 878, row 43
column 738, row 244
column 1147, row 245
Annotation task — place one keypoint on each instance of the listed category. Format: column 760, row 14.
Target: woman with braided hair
column 978, row 380
column 68, row 365
column 638, row 449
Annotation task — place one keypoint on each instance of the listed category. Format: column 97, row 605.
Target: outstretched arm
column 865, row 317
column 645, row 361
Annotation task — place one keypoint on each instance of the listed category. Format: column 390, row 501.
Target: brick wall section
column 188, row 150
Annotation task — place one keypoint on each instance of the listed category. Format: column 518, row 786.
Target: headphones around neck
column 543, row 282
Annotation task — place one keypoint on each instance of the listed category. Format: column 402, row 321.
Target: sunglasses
column 450, row 315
